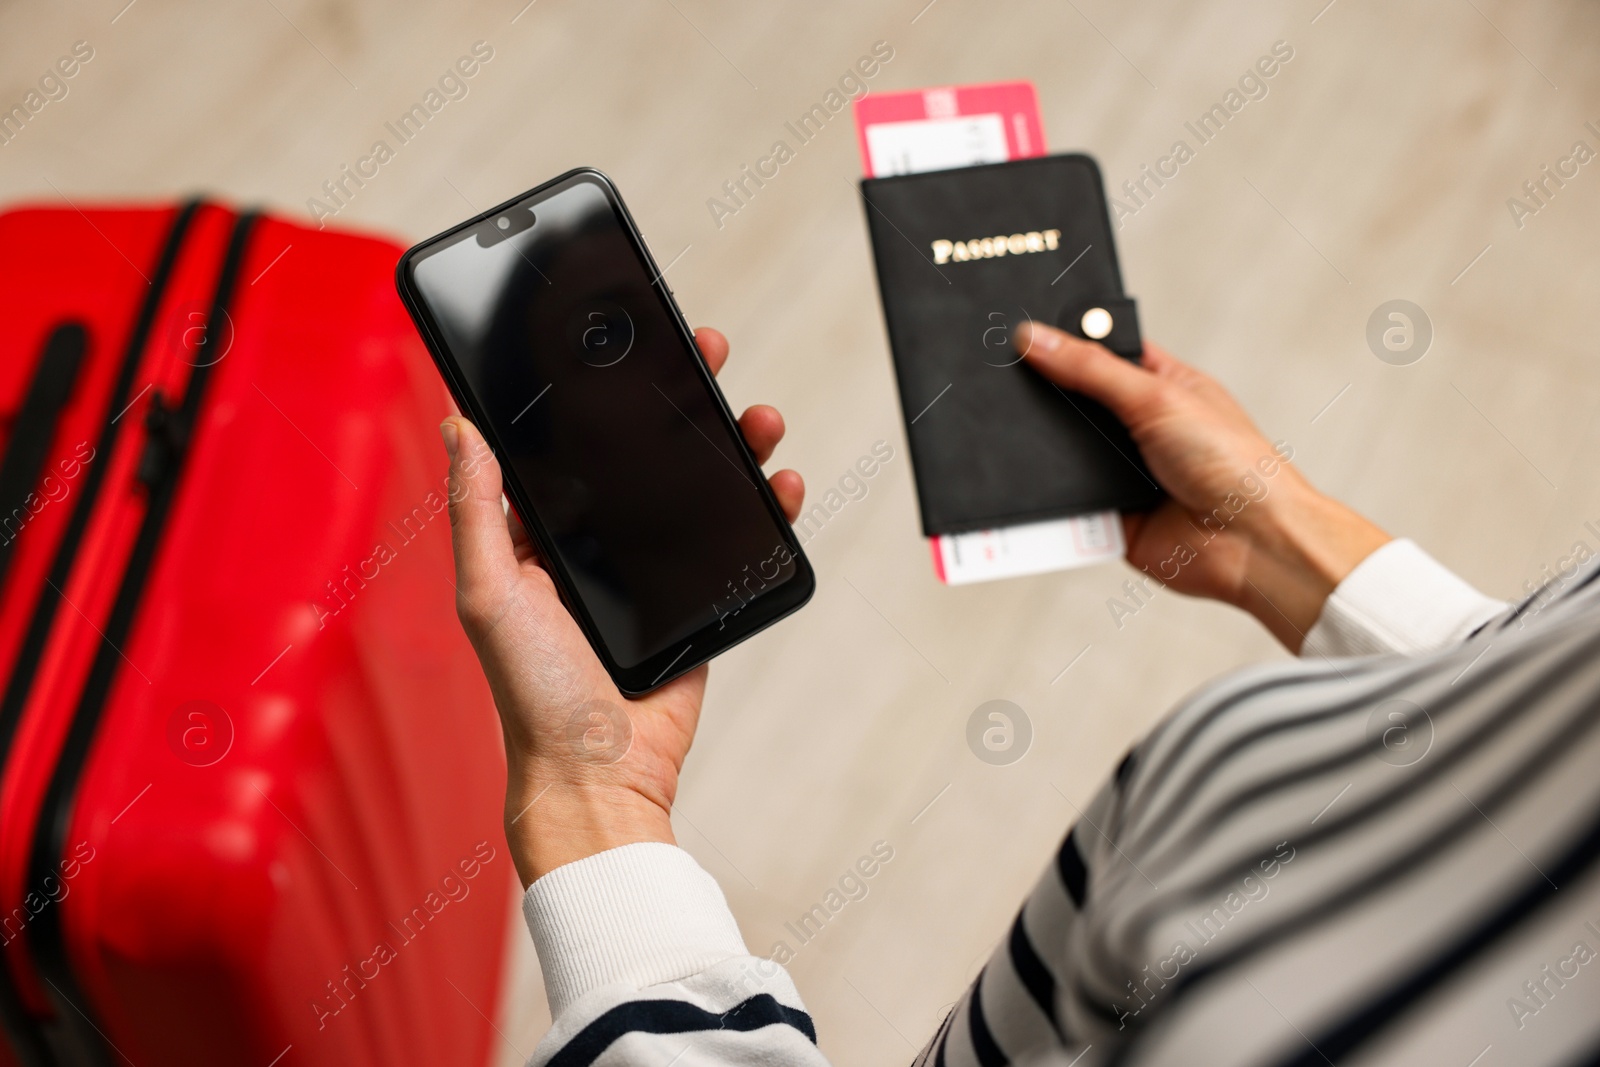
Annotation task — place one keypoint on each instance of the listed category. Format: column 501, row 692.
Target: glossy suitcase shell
column 252, row 782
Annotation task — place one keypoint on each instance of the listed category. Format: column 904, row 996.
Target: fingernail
column 452, row 436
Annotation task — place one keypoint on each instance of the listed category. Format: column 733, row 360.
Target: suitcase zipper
column 163, row 444
column 73, row 1032
column 20, row 1025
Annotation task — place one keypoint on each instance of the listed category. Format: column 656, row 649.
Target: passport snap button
column 1096, row 324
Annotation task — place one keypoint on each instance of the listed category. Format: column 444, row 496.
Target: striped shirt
column 1381, row 859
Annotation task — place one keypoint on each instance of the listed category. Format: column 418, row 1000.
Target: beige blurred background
column 1378, row 167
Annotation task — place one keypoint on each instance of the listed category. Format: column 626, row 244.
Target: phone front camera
column 504, row 223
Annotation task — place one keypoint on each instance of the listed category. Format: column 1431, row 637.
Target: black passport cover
column 992, row 442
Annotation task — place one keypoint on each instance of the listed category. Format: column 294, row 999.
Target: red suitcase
column 251, row 795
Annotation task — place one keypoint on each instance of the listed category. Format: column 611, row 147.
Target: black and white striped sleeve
column 643, row 961
column 1017, row 1010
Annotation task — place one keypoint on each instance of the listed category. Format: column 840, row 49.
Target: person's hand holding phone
column 588, row 769
column 1241, row 524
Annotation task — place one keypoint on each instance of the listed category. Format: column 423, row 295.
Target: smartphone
column 556, row 333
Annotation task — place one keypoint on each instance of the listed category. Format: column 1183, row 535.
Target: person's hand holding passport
column 1034, row 410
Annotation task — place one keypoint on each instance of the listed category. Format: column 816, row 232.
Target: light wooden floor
column 1378, row 167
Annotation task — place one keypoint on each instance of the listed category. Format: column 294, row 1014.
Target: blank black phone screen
column 600, row 410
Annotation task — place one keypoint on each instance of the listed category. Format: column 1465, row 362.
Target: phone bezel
column 711, row 640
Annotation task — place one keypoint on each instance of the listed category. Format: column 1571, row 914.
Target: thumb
column 1086, row 367
column 478, row 529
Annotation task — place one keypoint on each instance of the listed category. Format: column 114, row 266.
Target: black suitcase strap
column 35, row 430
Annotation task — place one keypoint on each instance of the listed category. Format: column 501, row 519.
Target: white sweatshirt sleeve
column 643, row 961
column 1399, row 599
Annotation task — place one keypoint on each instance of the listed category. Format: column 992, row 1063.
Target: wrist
column 1305, row 546
column 552, row 821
